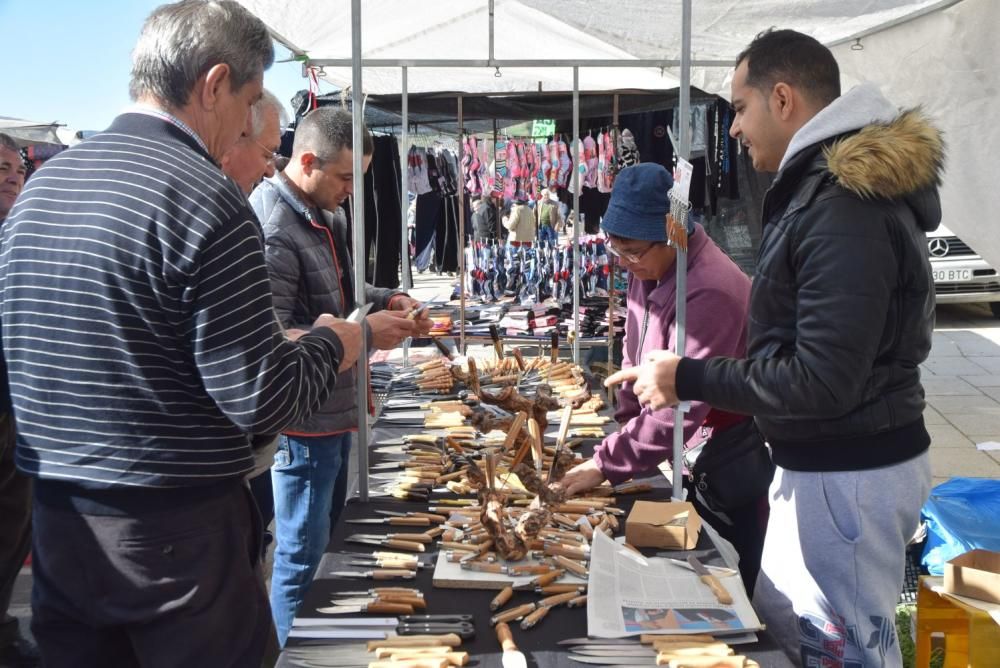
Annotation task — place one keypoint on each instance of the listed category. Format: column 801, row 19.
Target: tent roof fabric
column 567, row 30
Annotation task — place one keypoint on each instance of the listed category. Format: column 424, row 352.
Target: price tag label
column 682, row 180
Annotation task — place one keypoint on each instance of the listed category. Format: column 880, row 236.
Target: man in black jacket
column 841, row 316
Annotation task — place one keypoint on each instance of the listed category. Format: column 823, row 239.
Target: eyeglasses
column 272, row 155
column 628, row 257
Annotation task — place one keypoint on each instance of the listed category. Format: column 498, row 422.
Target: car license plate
column 952, row 275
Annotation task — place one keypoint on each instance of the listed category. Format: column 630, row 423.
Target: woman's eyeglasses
column 628, row 257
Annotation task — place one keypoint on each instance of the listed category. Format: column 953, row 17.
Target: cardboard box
column 975, row 574
column 673, row 525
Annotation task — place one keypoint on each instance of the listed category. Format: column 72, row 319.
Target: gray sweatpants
column 834, row 560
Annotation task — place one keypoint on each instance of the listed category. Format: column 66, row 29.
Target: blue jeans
column 305, row 476
column 547, row 233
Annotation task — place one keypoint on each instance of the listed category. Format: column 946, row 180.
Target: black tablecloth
column 539, row 643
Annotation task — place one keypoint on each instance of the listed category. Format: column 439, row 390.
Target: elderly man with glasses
column 253, row 157
column 718, row 294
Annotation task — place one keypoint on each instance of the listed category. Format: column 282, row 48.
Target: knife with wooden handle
column 431, row 662
column 404, row 654
column 446, row 639
column 721, row 595
column 501, row 599
column 512, row 656
column 702, row 661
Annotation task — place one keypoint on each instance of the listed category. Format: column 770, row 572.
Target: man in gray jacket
column 311, row 272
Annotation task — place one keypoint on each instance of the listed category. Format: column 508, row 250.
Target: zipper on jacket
column 642, row 335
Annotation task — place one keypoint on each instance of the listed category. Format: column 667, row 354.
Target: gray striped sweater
column 137, row 321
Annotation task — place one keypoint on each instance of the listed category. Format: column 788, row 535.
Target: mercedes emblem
column 938, row 247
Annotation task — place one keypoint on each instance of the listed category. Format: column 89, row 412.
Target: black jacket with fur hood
column 842, row 304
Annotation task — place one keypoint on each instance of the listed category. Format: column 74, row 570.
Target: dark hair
column 326, row 131
column 794, row 58
column 182, row 41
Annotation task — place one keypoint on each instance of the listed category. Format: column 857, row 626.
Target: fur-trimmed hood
column 885, row 155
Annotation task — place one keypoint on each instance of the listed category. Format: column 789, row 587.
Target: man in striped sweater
column 143, row 357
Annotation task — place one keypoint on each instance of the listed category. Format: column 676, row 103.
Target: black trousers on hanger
column 383, row 218
column 447, row 246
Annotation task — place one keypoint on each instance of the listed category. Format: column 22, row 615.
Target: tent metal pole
column 358, row 238
column 492, row 16
column 404, row 185
column 577, row 223
column 495, row 202
column 461, row 231
column 612, row 396
column 684, row 142
column 515, row 62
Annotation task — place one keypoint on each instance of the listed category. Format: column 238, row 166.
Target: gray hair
column 326, row 131
column 182, row 41
column 8, row 142
column 267, row 102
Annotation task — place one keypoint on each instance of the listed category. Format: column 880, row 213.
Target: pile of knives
column 426, row 642
column 675, row 651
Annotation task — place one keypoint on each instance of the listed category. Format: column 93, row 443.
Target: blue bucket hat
column 639, row 203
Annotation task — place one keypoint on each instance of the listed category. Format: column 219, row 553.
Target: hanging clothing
column 383, row 215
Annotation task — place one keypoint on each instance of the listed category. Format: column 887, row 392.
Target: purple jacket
column 718, row 301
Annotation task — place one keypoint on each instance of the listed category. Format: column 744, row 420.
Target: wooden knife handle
column 515, row 430
column 431, row 662
column 536, row 441
column 505, row 637
column 549, row 590
column 385, row 608
column 702, row 661
column 501, row 599
column 721, row 595
column 430, row 650
column 574, row 567
column 535, row 617
column 452, row 658
column 548, row 578
column 434, row 531
column 446, row 639
column 513, row 614
column 577, row 602
column 557, row 599
column 409, row 599
column 433, row 517
column 410, row 521
column 519, row 358
column 407, row 545
column 412, row 537
column 391, row 573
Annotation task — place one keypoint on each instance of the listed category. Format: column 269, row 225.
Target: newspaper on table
column 629, row 594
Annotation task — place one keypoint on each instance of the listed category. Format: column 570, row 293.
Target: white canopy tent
column 31, row 132
column 511, row 46
column 942, row 54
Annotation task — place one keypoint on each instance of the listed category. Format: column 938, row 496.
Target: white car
column 961, row 276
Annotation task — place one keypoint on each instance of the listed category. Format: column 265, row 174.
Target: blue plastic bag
column 962, row 514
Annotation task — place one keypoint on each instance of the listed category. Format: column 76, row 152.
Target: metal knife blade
column 377, row 574
column 599, row 641
column 613, row 661
column 613, row 650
